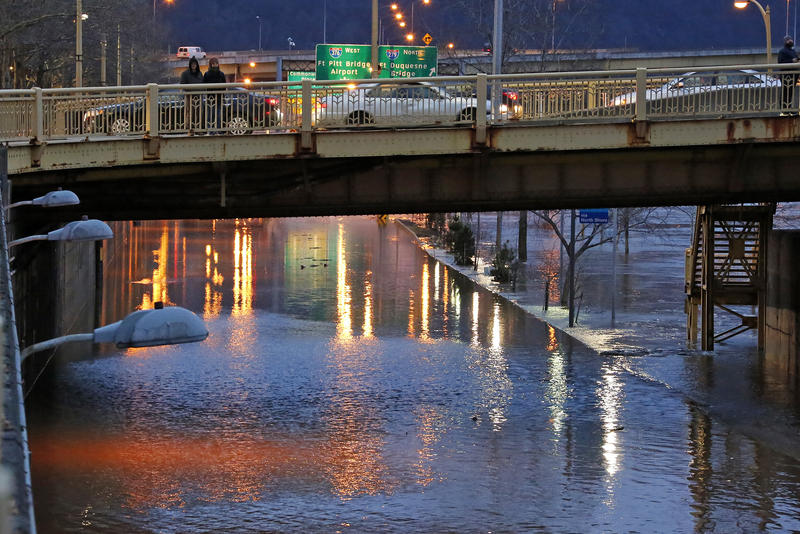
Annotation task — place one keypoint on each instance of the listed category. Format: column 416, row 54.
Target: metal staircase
column 726, row 267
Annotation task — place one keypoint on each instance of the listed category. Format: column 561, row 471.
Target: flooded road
column 350, row 383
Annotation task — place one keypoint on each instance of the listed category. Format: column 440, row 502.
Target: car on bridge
column 190, row 51
column 710, row 92
column 240, row 111
column 403, row 103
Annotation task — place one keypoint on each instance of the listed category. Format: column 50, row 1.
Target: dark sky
column 637, row 24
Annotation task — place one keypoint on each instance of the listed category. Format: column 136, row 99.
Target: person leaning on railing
column 788, row 54
column 214, row 106
column 193, row 103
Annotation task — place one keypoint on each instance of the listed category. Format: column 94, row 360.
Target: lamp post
column 260, row 22
column 83, row 230
column 53, row 199
column 154, row 7
column 787, row 18
column 426, row 2
column 741, row 4
column 144, row 328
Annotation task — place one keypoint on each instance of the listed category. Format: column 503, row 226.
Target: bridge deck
column 589, row 139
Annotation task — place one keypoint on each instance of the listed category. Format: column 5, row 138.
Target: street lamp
column 144, row 328
column 154, row 7
column 53, row 199
column 83, row 230
column 260, row 22
column 426, row 2
column 741, row 4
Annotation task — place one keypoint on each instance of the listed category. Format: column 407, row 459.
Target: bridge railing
column 470, row 101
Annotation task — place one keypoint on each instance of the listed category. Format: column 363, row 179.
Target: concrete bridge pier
column 783, row 304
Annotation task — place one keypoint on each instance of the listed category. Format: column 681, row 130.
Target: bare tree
column 37, row 40
column 545, row 25
column 575, row 245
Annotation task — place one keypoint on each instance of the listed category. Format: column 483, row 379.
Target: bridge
column 557, row 140
column 631, row 137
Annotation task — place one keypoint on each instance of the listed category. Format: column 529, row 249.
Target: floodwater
column 350, row 383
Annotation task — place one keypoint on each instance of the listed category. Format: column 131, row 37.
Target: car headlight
column 503, row 108
column 92, row 113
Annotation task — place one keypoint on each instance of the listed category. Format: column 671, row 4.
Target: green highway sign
column 408, row 61
column 299, row 76
column 352, row 62
column 343, row 62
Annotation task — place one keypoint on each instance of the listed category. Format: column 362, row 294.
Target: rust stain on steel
column 778, row 127
column 783, row 128
column 638, row 133
column 731, row 131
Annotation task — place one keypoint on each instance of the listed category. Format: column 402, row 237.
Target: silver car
column 710, row 92
column 408, row 103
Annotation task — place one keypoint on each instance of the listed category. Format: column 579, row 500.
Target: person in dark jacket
column 214, row 74
column 214, row 101
column 192, row 74
column 194, row 104
column 788, row 54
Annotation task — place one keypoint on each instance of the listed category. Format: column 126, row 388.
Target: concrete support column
column 782, row 318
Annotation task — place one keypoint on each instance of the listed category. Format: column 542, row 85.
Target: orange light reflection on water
column 344, row 313
column 424, row 334
column 236, row 468
column 159, row 279
column 475, row 313
column 445, row 301
column 212, row 304
column 367, row 328
column 430, row 429
column 242, row 271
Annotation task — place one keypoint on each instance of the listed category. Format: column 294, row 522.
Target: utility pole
column 374, row 56
column 103, row 48
column 497, row 55
column 571, row 269
column 119, row 58
column 78, row 44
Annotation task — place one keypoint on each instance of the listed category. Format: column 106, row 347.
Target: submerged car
column 409, row 102
column 709, row 92
column 236, row 111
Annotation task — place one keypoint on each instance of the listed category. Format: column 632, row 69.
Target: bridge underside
column 628, row 171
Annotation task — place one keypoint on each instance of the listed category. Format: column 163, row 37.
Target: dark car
column 236, row 111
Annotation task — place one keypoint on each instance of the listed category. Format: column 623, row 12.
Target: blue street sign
column 594, row 216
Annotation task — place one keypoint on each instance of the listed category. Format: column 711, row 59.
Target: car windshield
column 405, row 91
column 716, row 79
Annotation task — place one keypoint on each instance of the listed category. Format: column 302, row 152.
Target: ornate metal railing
column 471, row 101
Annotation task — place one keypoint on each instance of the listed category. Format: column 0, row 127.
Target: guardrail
column 40, row 115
